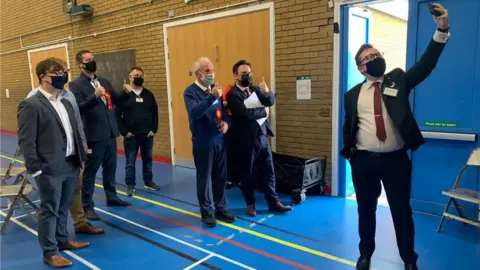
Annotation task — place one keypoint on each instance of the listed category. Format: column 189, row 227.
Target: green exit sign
column 441, row 124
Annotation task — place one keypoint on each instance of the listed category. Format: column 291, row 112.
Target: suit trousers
column 256, row 164
column 56, row 194
column 394, row 170
column 211, row 165
column 103, row 153
column 76, row 211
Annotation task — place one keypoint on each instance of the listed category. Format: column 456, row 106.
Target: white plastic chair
column 463, row 194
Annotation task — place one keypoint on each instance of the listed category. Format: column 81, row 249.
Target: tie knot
column 208, row 91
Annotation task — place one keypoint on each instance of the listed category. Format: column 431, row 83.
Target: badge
column 390, row 92
column 139, row 99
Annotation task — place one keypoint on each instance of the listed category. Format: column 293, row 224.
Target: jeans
column 131, row 145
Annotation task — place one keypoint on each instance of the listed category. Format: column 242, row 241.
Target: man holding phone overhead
column 379, row 129
column 208, row 123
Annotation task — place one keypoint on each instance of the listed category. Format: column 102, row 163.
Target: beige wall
column 304, row 46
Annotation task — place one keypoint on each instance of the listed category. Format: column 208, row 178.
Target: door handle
column 450, row 136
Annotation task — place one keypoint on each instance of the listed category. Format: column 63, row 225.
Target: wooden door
column 36, row 57
column 224, row 41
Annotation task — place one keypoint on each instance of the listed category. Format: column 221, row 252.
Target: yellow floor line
column 260, row 235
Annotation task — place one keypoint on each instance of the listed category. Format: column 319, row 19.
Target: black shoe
column 130, row 191
column 209, row 221
column 363, row 263
column 118, row 202
column 152, row 186
column 224, row 215
column 91, row 215
column 279, row 208
column 411, row 266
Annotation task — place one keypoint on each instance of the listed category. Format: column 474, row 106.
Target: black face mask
column 138, row 81
column 91, row 66
column 58, row 82
column 376, row 67
column 246, row 80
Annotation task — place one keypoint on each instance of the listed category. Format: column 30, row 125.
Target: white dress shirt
column 204, row 88
column 64, row 118
column 367, row 130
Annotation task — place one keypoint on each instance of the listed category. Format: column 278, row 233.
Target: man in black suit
column 379, row 129
column 95, row 97
column 250, row 138
column 51, row 143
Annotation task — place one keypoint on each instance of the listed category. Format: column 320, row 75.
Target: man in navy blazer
column 249, row 138
column 95, row 98
column 208, row 121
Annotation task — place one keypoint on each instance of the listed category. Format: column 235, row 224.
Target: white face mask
column 208, row 79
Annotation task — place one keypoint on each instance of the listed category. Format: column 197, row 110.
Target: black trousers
column 56, row 195
column 256, row 164
column 211, row 165
column 394, row 170
column 103, row 153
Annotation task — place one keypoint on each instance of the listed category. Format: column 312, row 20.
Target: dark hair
column 364, row 47
column 137, row 68
column 238, row 64
column 79, row 56
column 48, row 65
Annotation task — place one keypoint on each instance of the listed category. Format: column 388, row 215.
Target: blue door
column 356, row 23
column 447, row 104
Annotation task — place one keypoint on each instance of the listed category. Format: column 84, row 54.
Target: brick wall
column 304, row 46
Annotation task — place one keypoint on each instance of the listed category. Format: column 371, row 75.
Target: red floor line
column 261, row 252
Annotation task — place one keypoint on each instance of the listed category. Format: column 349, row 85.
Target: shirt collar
column 369, row 83
column 88, row 78
column 201, row 86
column 243, row 88
column 48, row 95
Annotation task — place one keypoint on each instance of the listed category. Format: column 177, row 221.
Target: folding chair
column 463, row 194
column 16, row 192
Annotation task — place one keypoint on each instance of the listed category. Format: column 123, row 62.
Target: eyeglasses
column 371, row 57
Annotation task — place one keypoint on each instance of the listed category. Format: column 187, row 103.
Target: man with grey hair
column 80, row 222
column 208, row 123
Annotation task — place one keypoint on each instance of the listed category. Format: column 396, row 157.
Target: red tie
column 247, row 92
column 377, row 108
column 208, row 91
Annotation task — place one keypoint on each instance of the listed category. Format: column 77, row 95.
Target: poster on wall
column 304, row 87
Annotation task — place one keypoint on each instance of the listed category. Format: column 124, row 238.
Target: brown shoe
column 251, row 211
column 89, row 229
column 73, row 245
column 279, row 208
column 57, row 261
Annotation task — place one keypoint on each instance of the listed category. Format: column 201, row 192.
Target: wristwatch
column 443, row 30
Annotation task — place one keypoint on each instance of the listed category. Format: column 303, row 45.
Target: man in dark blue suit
column 249, row 138
column 208, row 122
column 95, row 97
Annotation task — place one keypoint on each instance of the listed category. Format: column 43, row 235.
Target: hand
column 151, row 134
column 127, row 87
column 128, row 135
column 99, row 91
column 263, row 86
column 217, row 90
column 442, row 20
column 223, row 127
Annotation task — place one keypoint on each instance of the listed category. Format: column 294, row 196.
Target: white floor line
column 199, row 262
column 17, row 217
column 176, row 239
column 71, row 254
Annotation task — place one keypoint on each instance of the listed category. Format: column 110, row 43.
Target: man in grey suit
column 80, row 221
column 50, row 141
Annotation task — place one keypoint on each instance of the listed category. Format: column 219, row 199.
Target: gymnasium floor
column 162, row 230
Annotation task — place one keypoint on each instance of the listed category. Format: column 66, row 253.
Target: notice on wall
column 304, row 87
column 440, row 124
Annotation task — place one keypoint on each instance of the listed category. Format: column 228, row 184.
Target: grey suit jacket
column 42, row 138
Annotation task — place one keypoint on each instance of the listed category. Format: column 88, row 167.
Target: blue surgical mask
column 208, row 79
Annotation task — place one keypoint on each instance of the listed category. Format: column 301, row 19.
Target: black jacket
column 398, row 107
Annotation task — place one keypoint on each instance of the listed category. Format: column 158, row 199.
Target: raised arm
column 84, row 102
column 27, row 117
column 197, row 109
